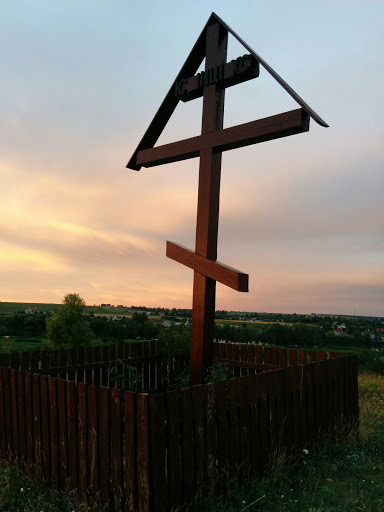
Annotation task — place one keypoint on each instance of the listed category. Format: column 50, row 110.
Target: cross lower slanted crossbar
column 213, row 269
column 262, row 130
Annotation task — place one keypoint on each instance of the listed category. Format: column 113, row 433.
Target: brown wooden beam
column 269, row 128
column 208, row 268
column 232, row 73
column 246, row 364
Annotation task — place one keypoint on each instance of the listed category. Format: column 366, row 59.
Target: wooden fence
column 155, row 451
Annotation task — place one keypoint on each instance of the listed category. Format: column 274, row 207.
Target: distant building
column 166, row 323
column 105, row 305
column 117, row 318
column 120, row 306
column 32, row 310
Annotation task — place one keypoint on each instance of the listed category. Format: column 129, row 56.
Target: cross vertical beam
column 204, row 288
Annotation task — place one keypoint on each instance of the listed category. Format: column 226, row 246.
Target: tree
column 68, row 327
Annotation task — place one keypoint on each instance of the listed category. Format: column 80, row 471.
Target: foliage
column 218, row 371
column 371, row 361
column 68, row 327
column 126, row 375
column 24, row 491
column 175, row 342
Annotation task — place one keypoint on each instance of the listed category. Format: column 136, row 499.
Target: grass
column 23, row 344
column 347, row 476
column 23, row 491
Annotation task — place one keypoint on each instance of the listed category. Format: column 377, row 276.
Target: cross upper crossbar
column 262, row 130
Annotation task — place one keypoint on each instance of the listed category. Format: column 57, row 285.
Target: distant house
column 117, row 318
column 105, row 305
column 166, row 323
column 32, row 310
column 120, row 306
column 149, row 313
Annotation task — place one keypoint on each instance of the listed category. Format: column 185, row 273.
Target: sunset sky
column 303, row 216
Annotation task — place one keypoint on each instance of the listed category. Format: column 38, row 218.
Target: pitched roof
column 189, row 68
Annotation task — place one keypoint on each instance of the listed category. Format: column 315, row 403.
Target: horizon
column 301, row 215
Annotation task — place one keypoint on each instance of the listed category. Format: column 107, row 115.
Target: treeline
column 295, row 335
column 23, row 325
column 127, row 328
column 106, row 330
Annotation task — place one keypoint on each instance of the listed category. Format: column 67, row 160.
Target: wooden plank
column 267, row 356
column 213, row 269
column 301, row 357
column 8, row 410
column 41, row 423
column 21, row 417
column 292, row 357
column 317, row 401
column 173, row 445
column 211, row 436
column 233, row 412
column 321, row 356
column 245, row 364
column 261, row 130
column 28, row 416
column 259, row 355
column 199, row 438
column 204, row 288
column 62, row 432
column 275, row 356
column 158, row 452
column 15, row 419
column 95, row 463
column 295, row 380
column 312, row 355
column 143, row 482
column 82, row 399
column 130, row 450
column 225, row 76
column 117, row 450
column 187, row 459
column 223, row 439
column 244, row 426
column 265, row 434
column 53, row 424
column 3, row 430
column 308, row 376
column 105, row 444
column 73, row 461
column 283, row 360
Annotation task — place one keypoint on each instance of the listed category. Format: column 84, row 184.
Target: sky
column 303, row 215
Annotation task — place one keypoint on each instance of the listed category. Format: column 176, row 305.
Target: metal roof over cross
column 211, row 84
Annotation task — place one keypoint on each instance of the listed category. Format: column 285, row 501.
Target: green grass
column 23, row 344
column 347, row 476
column 23, row 491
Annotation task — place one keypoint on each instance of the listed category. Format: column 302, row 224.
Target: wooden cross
column 211, row 84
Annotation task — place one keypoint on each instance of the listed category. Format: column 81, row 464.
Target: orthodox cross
column 211, row 84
